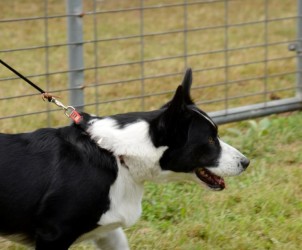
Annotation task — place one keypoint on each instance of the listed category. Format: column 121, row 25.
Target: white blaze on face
column 229, row 162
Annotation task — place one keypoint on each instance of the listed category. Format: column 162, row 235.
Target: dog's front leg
column 113, row 240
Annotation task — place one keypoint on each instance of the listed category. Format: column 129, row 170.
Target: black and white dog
column 85, row 182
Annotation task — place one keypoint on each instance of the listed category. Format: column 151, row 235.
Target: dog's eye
column 211, row 140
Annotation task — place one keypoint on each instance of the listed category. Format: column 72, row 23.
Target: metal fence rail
column 119, row 56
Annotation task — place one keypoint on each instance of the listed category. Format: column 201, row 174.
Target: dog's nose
column 245, row 162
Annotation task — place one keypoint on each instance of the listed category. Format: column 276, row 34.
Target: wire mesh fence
column 121, row 56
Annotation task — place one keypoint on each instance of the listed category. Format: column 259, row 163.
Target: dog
column 60, row 186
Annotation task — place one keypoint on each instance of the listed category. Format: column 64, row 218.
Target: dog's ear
column 178, row 102
column 186, row 84
column 168, row 125
column 176, row 107
column 186, row 88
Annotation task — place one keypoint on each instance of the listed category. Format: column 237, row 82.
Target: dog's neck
column 131, row 144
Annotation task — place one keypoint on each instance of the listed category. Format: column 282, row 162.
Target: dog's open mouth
column 213, row 181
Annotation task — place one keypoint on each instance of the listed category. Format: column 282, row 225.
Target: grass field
column 260, row 209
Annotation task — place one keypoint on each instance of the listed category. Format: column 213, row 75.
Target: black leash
column 24, row 78
column 68, row 110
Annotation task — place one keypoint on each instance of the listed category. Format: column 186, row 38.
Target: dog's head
column 177, row 142
column 194, row 146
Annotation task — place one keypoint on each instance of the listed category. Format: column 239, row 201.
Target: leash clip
column 69, row 111
column 74, row 115
column 58, row 103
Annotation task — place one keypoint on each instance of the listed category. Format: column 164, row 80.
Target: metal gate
column 120, row 56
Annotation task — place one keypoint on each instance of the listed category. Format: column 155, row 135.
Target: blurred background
column 121, row 56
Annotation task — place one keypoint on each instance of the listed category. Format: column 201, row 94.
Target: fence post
column 299, row 50
column 75, row 53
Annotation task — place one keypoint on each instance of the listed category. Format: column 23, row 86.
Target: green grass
column 260, row 209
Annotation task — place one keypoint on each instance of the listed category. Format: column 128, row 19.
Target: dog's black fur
column 54, row 185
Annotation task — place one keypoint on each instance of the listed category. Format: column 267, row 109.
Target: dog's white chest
column 125, row 201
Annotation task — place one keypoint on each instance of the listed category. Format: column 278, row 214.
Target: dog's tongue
column 213, row 181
